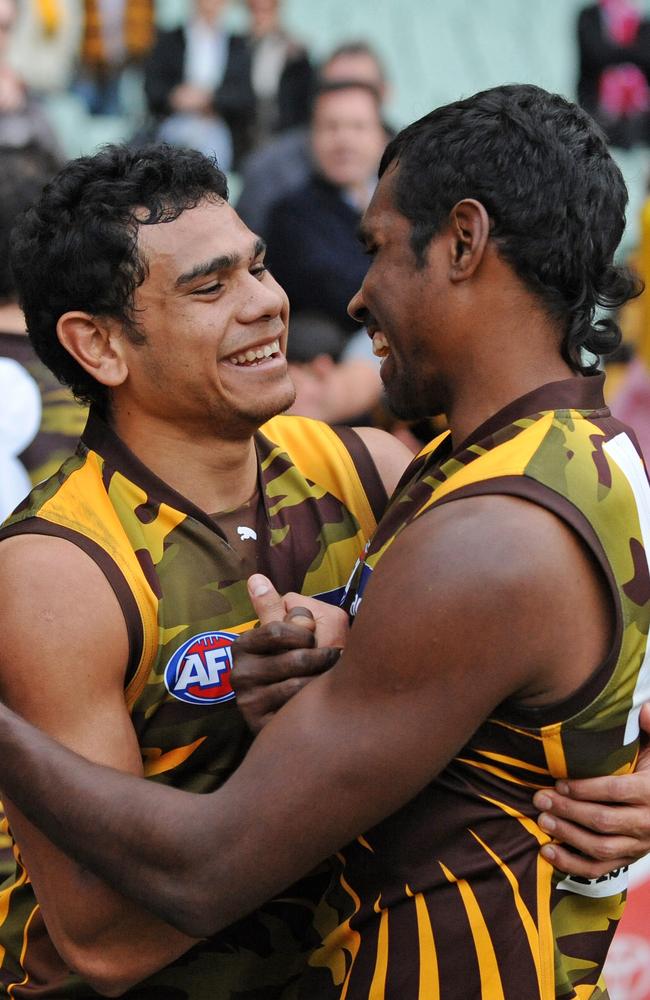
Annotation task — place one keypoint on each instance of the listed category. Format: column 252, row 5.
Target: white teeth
column 257, row 354
column 380, row 346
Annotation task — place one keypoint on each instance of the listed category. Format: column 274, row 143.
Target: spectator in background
column 279, row 72
column 45, row 43
column 188, row 85
column 315, row 254
column 116, row 34
column 285, row 163
column 312, row 234
column 614, row 73
column 22, row 120
column 23, row 174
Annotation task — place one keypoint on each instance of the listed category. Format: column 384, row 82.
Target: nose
column 357, row 307
column 266, row 299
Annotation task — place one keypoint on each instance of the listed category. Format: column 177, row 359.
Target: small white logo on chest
column 246, row 534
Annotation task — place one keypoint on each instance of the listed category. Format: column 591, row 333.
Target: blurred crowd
column 301, row 141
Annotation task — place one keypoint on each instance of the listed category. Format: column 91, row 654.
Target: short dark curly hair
column 77, row 247
column 555, row 197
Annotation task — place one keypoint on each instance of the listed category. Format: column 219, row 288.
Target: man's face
column 347, row 137
column 406, row 308
column 215, row 323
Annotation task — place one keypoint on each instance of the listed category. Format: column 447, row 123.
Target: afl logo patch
column 199, row 672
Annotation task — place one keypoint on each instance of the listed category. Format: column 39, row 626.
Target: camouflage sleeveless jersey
column 448, row 899
column 180, row 576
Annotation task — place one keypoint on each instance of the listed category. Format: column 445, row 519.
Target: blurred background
column 297, row 98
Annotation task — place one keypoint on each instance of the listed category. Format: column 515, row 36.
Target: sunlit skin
column 420, row 316
column 207, row 300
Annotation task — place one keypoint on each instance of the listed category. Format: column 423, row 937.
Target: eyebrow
column 225, row 262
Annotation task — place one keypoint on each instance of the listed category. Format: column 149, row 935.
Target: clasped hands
column 596, row 824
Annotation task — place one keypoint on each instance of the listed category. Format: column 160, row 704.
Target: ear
column 96, row 344
column 470, row 231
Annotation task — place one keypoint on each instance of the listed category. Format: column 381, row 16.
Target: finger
column 272, row 639
column 273, row 696
column 608, row 848
column 260, row 671
column 268, row 604
column 573, row 864
column 595, row 816
column 624, row 788
column 304, row 616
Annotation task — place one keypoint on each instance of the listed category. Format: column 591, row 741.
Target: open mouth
column 255, row 355
column 380, row 346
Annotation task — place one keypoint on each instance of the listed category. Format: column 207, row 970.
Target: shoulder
column 61, row 619
column 390, row 456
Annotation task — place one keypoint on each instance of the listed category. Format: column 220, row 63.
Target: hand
column 275, row 661
column 577, row 813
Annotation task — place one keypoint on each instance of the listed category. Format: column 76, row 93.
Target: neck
column 12, row 319
column 214, row 473
column 488, row 383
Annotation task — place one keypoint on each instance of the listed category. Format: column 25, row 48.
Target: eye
column 370, row 249
column 208, row 289
column 258, row 270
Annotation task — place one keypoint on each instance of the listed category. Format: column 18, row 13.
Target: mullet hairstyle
column 555, row 198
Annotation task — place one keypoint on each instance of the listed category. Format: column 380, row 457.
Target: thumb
column 268, row 604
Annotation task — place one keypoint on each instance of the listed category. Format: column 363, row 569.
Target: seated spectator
column 285, row 163
column 279, row 72
column 312, row 234
column 193, row 85
column 45, row 44
column 23, row 173
column 22, row 120
column 116, row 34
column 614, row 73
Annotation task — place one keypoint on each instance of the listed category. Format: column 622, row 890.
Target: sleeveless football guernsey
column 448, row 899
column 180, row 577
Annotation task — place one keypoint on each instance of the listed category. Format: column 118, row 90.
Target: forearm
column 80, row 807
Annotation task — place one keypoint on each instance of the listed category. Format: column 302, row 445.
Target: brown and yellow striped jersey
column 180, row 576
column 449, row 899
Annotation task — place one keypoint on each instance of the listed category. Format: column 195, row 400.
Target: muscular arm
column 62, row 664
column 440, row 640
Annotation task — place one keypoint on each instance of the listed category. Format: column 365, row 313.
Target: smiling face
column 347, row 136
column 215, row 323
column 405, row 308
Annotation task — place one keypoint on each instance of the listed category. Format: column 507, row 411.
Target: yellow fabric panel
column 49, row 12
column 156, row 762
column 429, row 985
column 508, row 459
column 433, row 444
column 546, row 990
column 378, row 984
column 77, row 503
column 491, row 985
column 554, row 750
column 320, row 455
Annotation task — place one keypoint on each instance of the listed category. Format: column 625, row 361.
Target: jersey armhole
column 113, row 574
column 529, row 489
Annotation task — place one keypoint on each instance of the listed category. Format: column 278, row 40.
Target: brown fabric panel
column 365, row 466
column 109, row 568
column 101, row 438
column 530, row 489
column 583, row 392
